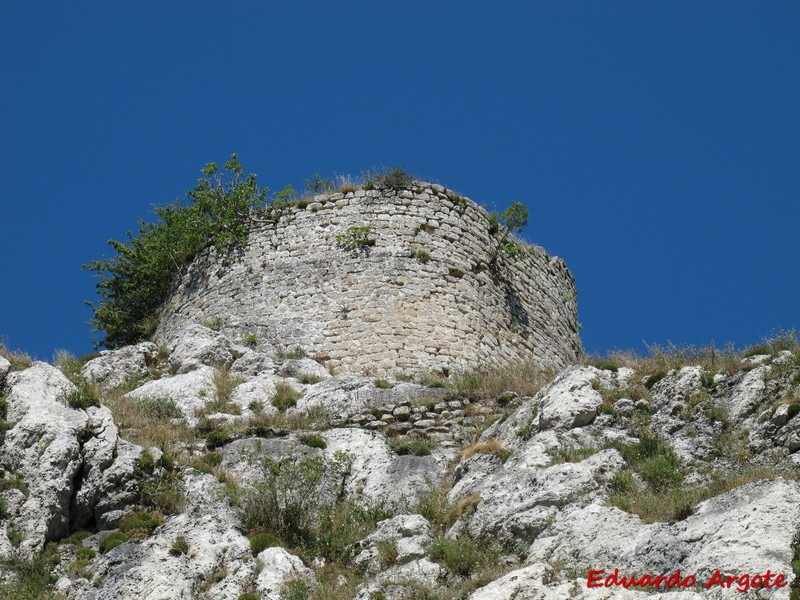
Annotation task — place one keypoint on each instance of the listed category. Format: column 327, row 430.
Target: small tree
column 513, row 220
column 136, row 282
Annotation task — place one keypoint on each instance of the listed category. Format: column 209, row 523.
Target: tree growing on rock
column 135, row 282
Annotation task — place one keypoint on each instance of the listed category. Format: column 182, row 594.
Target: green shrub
column 112, row 540
column 382, row 384
column 15, row 537
column 285, row 396
column 135, row 283
column 794, row 409
column 295, row 354
column 261, row 541
column 84, row 397
column 34, row 580
column 250, row 340
column 296, row 589
column 310, row 379
column 159, row 408
column 417, row 447
column 318, row 185
column 355, row 238
column 85, row 553
column 395, row 178
column 314, row 441
column 422, row 256
column 459, row 556
column 217, row 438
column 76, row 538
column 654, row 379
column 79, row 568
column 180, row 546
column 141, row 521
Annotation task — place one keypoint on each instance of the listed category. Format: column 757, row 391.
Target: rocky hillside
column 208, row 469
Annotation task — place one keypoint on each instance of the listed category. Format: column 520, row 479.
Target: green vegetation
column 180, row 546
column 112, row 540
column 422, row 256
column 261, row 540
column 355, row 238
column 137, row 280
column 250, row 340
column 34, row 579
column 382, row 384
column 285, row 396
column 512, row 220
column 415, row 446
column 394, row 178
column 314, row 441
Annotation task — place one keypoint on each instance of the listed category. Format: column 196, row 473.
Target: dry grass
column 19, row 360
column 725, row 359
column 492, row 447
column 679, row 502
column 148, row 423
column 526, row 379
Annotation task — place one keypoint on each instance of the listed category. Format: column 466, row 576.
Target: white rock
column 114, row 368
column 303, row 367
column 251, row 364
column 277, row 568
column 189, row 392
column 5, row 367
column 344, row 396
column 74, row 464
column 147, row 570
column 410, row 534
column 570, row 401
column 196, row 346
column 258, row 391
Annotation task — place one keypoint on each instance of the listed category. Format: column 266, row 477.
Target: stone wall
column 382, row 308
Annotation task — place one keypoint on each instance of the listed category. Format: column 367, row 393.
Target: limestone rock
column 251, row 364
column 570, row 401
column 189, row 392
column 218, row 556
column 303, row 367
column 75, row 467
column 408, row 534
column 5, row 367
column 278, row 568
column 196, row 346
column 346, row 395
column 258, row 392
column 114, row 368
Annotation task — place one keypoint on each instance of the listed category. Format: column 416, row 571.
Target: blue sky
column 657, row 144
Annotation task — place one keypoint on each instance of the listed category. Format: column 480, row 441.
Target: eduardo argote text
column 741, row 583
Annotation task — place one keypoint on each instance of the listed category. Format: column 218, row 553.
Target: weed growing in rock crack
column 415, row 446
column 285, row 396
column 19, row 360
column 302, row 503
column 355, row 238
column 422, row 256
column 310, row 379
column 296, row 589
column 250, row 340
column 314, row 441
column 382, row 384
column 33, row 579
column 562, row 455
column 294, row 354
column 180, row 546
column 224, row 384
column 492, row 447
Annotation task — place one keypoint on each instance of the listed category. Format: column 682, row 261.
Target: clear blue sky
column 657, row 144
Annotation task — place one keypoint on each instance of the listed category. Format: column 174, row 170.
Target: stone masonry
column 420, row 292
